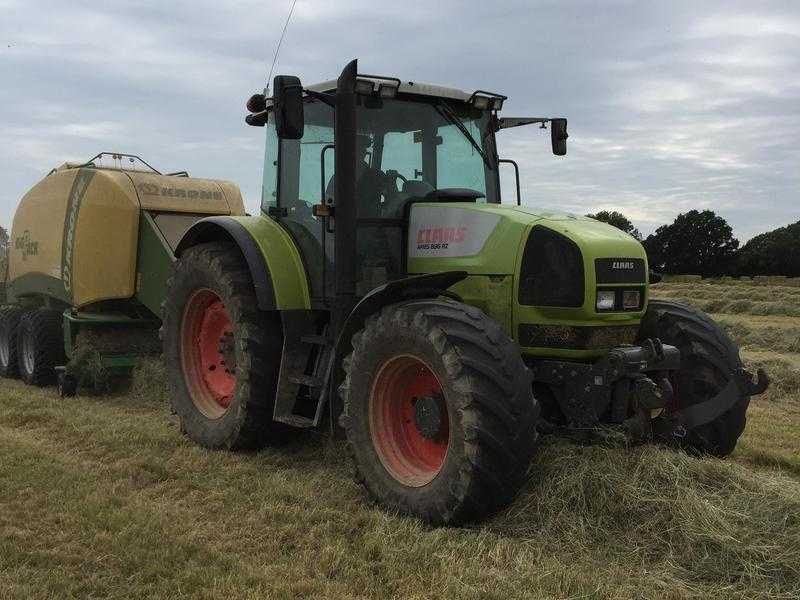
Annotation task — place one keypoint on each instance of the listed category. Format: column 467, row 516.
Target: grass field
column 103, row 498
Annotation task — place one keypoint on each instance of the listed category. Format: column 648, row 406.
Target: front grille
column 552, row 270
column 583, row 337
column 619, row 270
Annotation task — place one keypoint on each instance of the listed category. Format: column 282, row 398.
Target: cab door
column 305, row 170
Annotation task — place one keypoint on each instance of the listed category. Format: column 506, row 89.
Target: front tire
column 222, row 354
column 439, row 412
column 709, row 360
column 40, row 346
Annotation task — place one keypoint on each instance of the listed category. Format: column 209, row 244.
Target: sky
column 672, row 106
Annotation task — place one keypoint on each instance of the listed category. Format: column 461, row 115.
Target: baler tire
column 42, row 331
column 709, row 360
column 246, row 422
column 9, row 324
column 487, row 409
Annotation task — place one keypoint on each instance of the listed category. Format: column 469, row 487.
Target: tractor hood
column 489, row 239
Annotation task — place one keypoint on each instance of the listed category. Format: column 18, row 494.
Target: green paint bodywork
column 493, row 283
column 501, row 257
column 72, row 323
column 283, row 260
column 153, row 264
column 36, row 285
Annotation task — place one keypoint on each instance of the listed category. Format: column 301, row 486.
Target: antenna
column 278, row 48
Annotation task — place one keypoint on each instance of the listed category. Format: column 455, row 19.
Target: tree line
column 696, row 242
column 702, row 243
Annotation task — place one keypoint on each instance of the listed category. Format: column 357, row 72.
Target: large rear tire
column 40, row 346
column 709, row 360
column 222, row 354
column 439, row 412
column 9, row 324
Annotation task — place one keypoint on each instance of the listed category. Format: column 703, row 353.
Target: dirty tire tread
column 247, row 424
column 488, row 391
column 9, row 324
column 707, row 354
column 45, row 328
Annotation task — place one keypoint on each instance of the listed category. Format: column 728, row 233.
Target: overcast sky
column 671, row 105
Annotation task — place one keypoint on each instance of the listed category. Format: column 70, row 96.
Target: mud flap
column 678, row 424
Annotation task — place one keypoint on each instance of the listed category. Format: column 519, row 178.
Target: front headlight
column 605, row 299
column 631, row 299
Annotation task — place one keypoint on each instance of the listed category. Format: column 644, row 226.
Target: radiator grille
column 552, row 270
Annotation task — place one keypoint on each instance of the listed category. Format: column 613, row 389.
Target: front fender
column 279, row 276
column 430, row 285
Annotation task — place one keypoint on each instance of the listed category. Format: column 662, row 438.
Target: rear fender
column 275, row 265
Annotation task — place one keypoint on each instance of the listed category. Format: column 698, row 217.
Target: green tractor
column 386, row 289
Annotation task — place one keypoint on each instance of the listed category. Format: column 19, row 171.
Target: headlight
column 605, row 299
column 631, row 299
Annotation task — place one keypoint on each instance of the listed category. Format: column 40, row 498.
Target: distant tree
column 618, row 220
column 775, row 252
column 695, row 243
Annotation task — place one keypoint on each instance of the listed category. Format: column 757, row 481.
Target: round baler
column 90, row 249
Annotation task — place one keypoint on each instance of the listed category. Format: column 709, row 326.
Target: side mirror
column 558, row 136
column 288, row 106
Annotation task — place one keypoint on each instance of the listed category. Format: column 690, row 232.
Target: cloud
column 672, row 106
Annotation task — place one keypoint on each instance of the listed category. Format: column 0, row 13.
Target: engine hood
column 488, row 239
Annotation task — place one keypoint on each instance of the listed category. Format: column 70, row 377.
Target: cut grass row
column 733, row 299
column 104, row 498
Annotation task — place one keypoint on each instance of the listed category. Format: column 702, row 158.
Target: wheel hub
column 209, row 353
column 428, row 416
column 409, row 422
column 227, row 352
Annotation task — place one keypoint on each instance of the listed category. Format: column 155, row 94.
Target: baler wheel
column 439, row 411
column 40, row 346
column 9, row 324
column 222, row 354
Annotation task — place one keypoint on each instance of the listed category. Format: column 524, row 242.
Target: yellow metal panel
column 234, row 197
column 37, row 230
column 180, row 194
column 105, row 239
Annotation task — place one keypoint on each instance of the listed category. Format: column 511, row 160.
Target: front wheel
column 709, row 360
column 222, row 354
column 439, row 412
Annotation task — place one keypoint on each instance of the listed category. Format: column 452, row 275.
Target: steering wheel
column 391, row 181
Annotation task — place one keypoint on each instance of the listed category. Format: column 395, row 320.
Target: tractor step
column 307, row 380
column 305, row 366
column 297, row 421
column 316, row 340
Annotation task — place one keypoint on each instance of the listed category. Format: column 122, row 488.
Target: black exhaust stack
column 346, row 196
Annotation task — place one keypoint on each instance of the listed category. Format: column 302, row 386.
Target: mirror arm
column 508, row 122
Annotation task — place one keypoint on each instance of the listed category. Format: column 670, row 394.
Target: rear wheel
column 709, row 360
column 222, row 353
column 40, row 346
column 439, row 412
column 9, row 323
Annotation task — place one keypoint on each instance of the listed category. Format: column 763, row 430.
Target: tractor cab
column 404, row 143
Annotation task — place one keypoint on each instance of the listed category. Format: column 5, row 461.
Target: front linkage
column 629, row 393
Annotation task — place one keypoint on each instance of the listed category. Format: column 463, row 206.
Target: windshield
column 424, row 146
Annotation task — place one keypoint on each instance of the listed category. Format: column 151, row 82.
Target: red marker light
column 257, row 103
